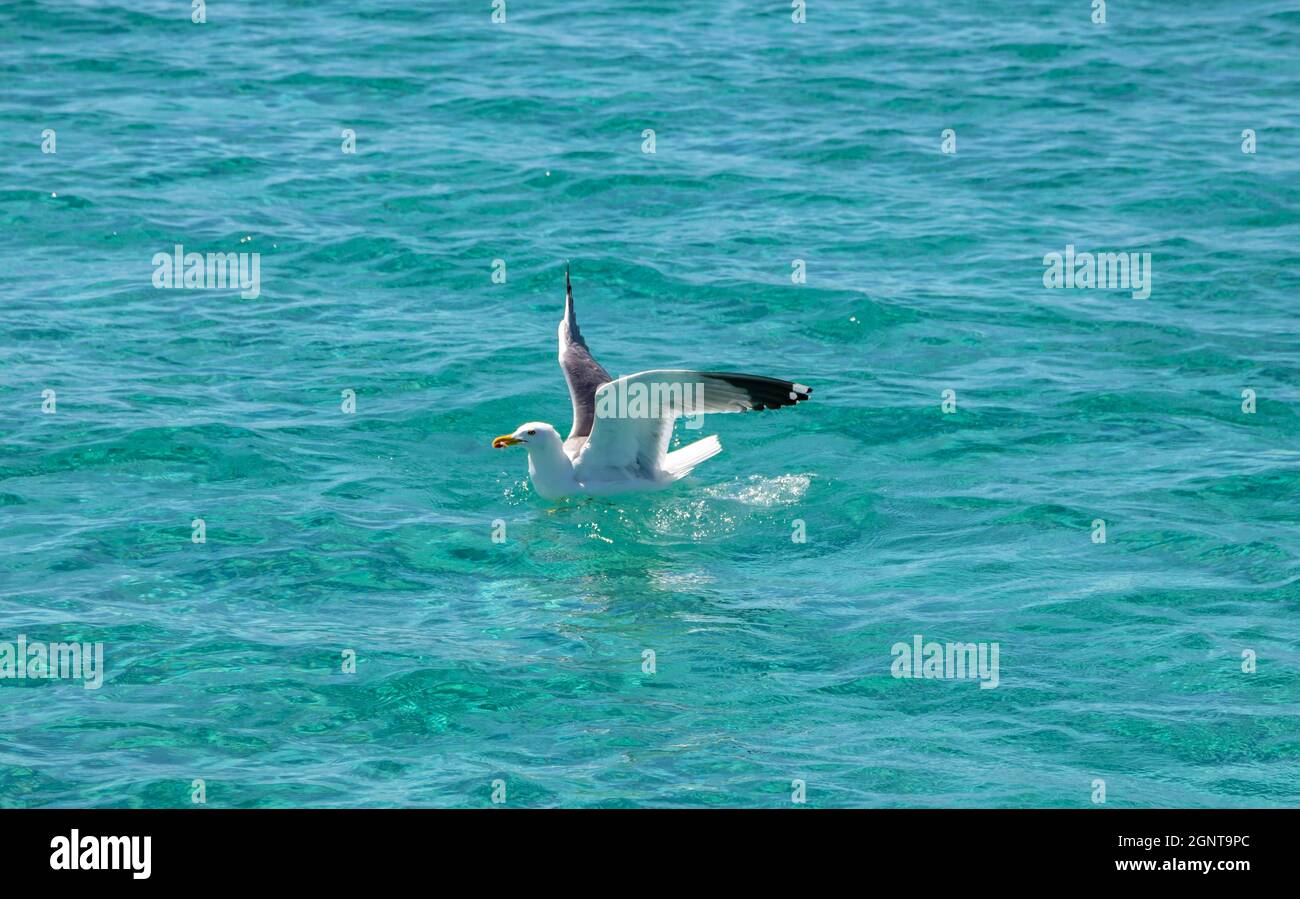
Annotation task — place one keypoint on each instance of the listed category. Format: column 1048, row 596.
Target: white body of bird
column 554, row 475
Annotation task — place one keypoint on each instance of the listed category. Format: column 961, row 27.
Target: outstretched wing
column 583, row 373
column 634, row 415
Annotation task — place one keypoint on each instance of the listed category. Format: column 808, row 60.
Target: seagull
column 621, row 426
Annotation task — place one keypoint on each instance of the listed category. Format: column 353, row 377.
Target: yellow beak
column 505, row 440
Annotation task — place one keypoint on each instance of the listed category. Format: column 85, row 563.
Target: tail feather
column 679, row 463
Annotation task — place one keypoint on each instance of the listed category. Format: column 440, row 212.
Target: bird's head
column 533, row 433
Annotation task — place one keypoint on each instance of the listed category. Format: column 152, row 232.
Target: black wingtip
column 568, row 305
column 760, row 393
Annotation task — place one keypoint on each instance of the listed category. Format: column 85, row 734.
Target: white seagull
column 621, row 426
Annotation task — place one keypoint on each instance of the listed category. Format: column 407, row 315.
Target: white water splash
column 757, row 490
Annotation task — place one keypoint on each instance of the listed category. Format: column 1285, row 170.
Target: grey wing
column 583, row 374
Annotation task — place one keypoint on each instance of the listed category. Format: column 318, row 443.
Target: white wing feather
column 627, row 443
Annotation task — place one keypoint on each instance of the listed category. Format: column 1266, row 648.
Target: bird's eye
column 532, row 433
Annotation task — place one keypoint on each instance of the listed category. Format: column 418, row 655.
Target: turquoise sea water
column 522, row 661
